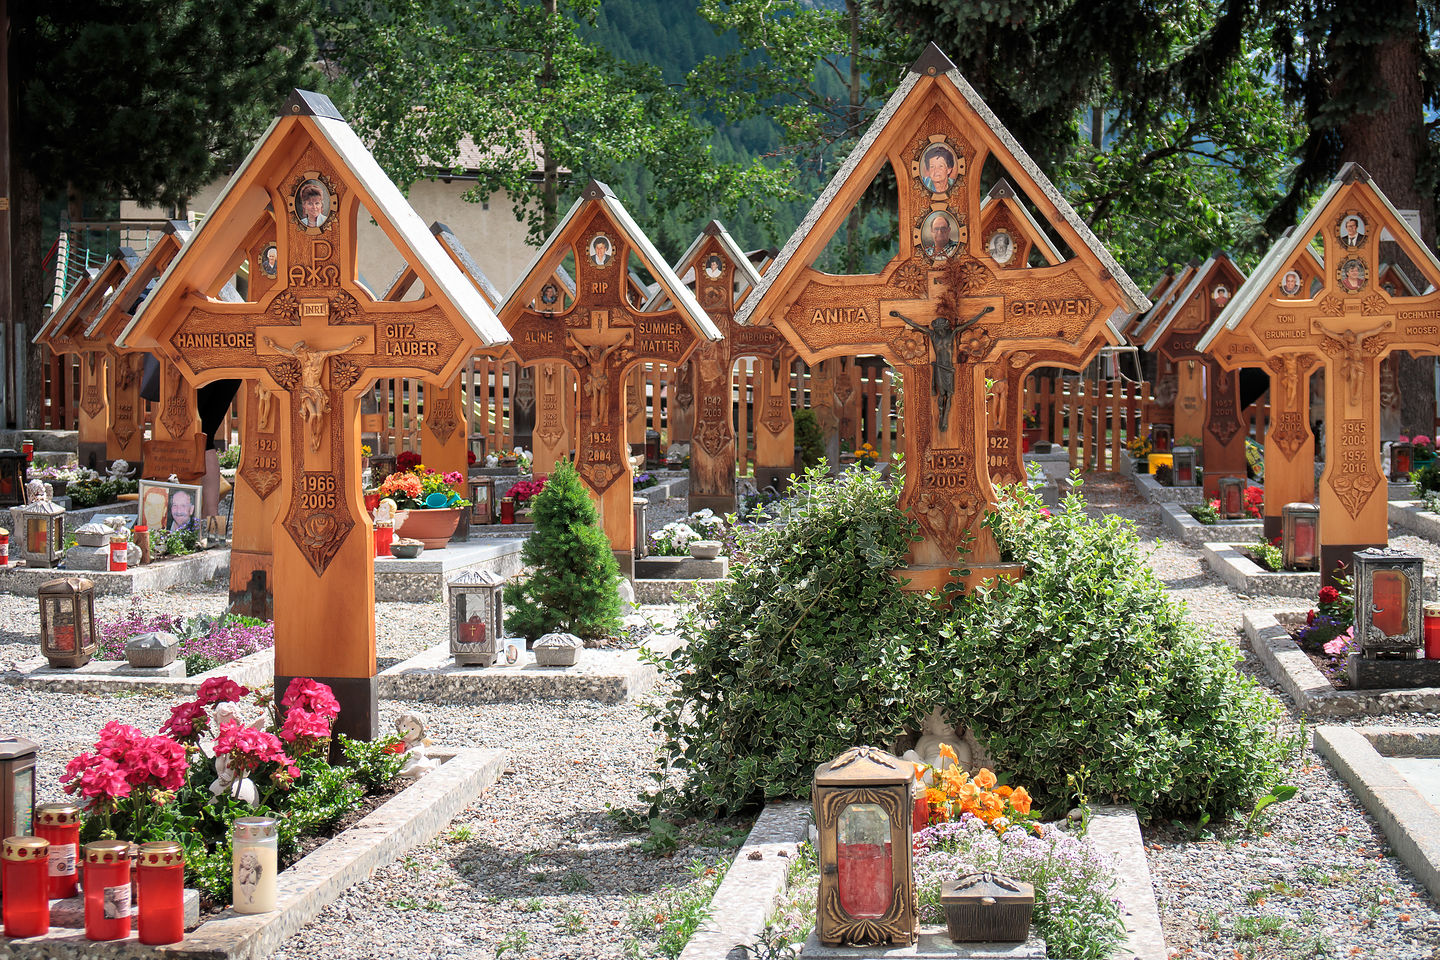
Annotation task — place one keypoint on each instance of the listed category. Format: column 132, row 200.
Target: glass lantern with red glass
column 477, row 617
column 1160, row 437
column 1389, row 596
column 863, row 808
column 1300, row 536
column 1182, row 466
column 1402, row 461
column 1232, row 498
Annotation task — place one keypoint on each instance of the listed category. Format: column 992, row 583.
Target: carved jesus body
column 314, row 401
column 599, row 380
column 1352, row 356
column 942, row 332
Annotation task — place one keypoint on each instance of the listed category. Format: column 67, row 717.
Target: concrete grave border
column 1178, row 521
column 1244, row 575
column 162, row 574
column 1314, row 695
column 412, row 817
column 751, row 890
column 1151, row 490
column 103, row 676
column 1410, row 823
column 1411, row 515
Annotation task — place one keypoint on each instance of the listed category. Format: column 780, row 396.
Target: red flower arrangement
column 310, row 708
column 526, row 489
column 470, row 457
column 407, row 460
column 220, row 690
column 247, row 748
column 188, row 721
column 126, row 764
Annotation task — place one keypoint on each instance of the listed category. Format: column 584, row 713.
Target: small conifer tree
column 573, row 583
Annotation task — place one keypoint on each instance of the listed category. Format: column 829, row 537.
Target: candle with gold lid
column 107, row 890
column 59, row 823
column 162, row 892
column 25, row 862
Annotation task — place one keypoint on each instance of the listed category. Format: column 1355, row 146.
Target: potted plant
column 1424, row 449
column 433, row 507
column 524, row 492
column 1031, row 433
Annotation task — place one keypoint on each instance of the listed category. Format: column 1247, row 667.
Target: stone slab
column 933, row 943
column 1410, row 823
column 1422, row 773
column 1314, row 696
column 411, row 818
column 681, row 568
column 1410, row 514
column 115, row 676
column 70, row 912
column 1151, row 490
column 607, row 676
column 1391, row 674
column 500, row 531
column 1056, row 463
column 671, row 591
column 154, row 577
column 1244, row 575
column 1115, row 830
column 1404, row 490
column 423, row 579
column 757, row 878
column 1180, row 524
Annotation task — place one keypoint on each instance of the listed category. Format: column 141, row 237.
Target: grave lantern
column 1402, row 461
column 1160, row 435
column 1232, row 497
column 67, row 622
column 477, row 450
column 17, row 786
column 482, row 499
column 867, row 883
column 381, row 466
column 642, row 530
column 12, row 478
column 653, row 455
column 44, row 521
column 1389, row 594
column 477, row 616
column 1183, row 466
column 1300, row 535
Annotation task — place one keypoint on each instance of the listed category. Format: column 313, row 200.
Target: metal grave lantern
column 640, row 506
column 1402, row 461
column 654, row 457
column 863, row 809
column 1183, row 467
column 1160, row 437
column 477, row 617
column 477, row 450
column 17, row 786
column 381, row 466
column 12, row 478
column 67, row 622
column 1300, row 535
column 44, row 528
column 1232, row 497
column 1389, row 595
column 482, row 499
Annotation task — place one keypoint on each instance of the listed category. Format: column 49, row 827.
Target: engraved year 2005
column 317, row 491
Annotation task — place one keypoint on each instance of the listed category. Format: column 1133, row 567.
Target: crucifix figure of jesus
column 314, row 398
column 942, row 333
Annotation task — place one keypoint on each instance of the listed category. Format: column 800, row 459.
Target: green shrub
column 1426, row 479
column 573, row 585
column 1268, row 555
column 1087, row 657
column 808, row 437
column 807, row 649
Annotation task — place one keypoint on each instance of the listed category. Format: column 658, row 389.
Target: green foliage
column 372, row 763
column 808, row 437
column 673, row 913
column 1426, row 479
column 229, row 458
column 1280, row 794
column 807, row 649
column 572, row 586
column 1268, row 555
column 1086, row 656
column 1205, row 511
column 97, row 492
column 176, row 543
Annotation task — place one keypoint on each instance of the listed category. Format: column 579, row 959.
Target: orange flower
column 1004, row 792
column 985, row 778
column 991, row 806
column 934, row 796
column 948, row 753
column 1020, row 801
column 953, row 778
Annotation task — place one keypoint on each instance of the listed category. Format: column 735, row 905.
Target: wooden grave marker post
column 1205, row 386
column 1347, row 325
column 940, row 311
column 316, row 341
column 603, row 337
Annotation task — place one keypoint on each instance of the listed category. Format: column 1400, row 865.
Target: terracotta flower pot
column 432, row 527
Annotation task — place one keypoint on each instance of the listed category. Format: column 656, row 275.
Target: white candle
column 254, row 865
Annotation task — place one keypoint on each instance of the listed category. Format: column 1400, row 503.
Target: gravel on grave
column 1320, row 879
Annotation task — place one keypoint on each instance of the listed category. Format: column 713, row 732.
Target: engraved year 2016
column 317, row 491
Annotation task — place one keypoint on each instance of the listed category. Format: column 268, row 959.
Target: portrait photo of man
column 1290, row 283
column 937, row 169
column 600, row 250
column 938, row 235
column 269, row 260
column 1220, row 295
column 312, row 204
column 1352, row 231
column 181, row 514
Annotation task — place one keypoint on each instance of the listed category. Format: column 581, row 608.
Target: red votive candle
column 1432, row 631
column 507, row 509
column 27, row 447
column 59, row 823
column 26, row 864
column 1390, row 594
column 107, row 890
column 384, row 536
column 864, row 878
column 921, row 818
column 162, row 893
column 119, row 554
column 4, row 548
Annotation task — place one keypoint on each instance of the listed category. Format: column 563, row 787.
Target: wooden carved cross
column 602, row 336
column 1345, row 327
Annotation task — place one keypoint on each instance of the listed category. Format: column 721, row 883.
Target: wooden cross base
column 921, row 577
column 721, row 504
column 1332, row 555
column 359, row 699
column 250, row 593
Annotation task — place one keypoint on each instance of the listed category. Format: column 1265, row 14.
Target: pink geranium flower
column 247, row 748
column 220, row 690
column 187, row 720
column 311, row 697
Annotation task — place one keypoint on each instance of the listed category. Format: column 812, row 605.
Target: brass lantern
column 1160, row 437
column 1232, row 497
column 67, row 622
column 477, row 614
column 17, row 786
column 1300, row 536
column 482, row 499
column 863, row 807
column 1402, row 461
column 639, row 506
column 1389, row 596
column 381, row 466
column 1183, row 467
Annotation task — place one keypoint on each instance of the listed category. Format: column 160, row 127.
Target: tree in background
column 144, row 99
column 550, row 109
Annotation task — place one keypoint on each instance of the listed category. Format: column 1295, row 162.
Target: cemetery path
column 1317, row 878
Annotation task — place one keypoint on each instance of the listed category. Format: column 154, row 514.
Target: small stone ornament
column 987, row 908
column 155, row 649
column 557, row 649
column 93, row 534
column 411, row 727
column 120, row 470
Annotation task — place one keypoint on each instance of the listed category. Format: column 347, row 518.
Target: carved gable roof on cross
column 405, row 277
column 1186, row 310
column 67, row 330
column 687, row 268
column 61, row 313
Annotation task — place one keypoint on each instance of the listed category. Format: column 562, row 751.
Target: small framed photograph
column 1352, row 230
column 269, row 260
column 172, row 507
column 714, row 266
column 939, row 234
column 937, row 168
column 1290, row 284
column 514, row 652
column 1001, row 247
column 313, row 203
column 601, row 250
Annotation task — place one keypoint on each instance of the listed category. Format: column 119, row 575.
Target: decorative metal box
column 43, row 523
column 67, row 622
column 863, row 809
column 1232, row 497
column 1300, row 535
column 381, row 466
column 986, row 908
column 477, row 617
column 17, row 786
column 1389, row 596
column 1402, row 461
column 1160, row 437
column 1183, row 466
